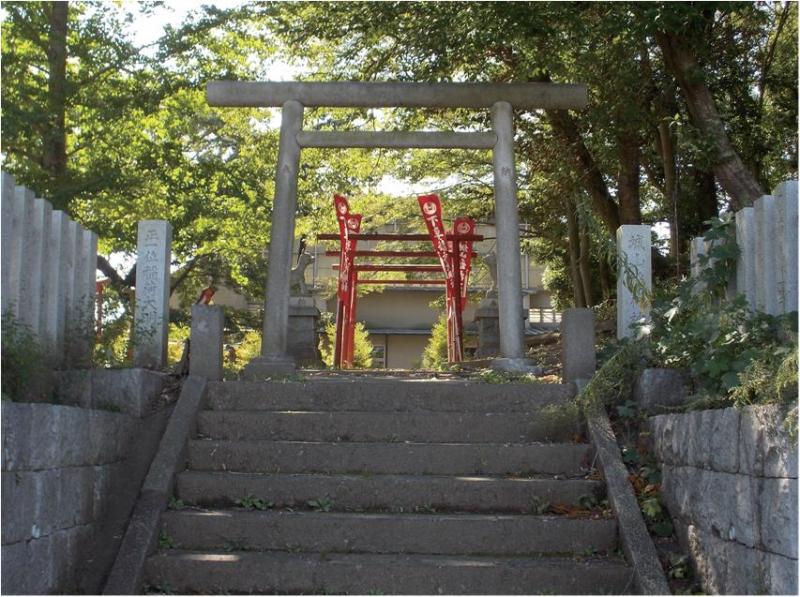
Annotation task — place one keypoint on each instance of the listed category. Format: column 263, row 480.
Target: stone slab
column 389, row 533
column 394, row 493
column 765, row 447
column 390, row 457
column 778, row 516
column 787, row 193
column 388, row 574
column 48, row 436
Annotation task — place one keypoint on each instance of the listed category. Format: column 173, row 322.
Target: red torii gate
column 453, row 249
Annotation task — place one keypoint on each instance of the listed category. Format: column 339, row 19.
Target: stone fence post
column 205, row 342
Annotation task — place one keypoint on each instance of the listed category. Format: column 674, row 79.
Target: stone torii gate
column 293, row 97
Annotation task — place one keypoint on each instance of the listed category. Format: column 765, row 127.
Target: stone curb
column 636, row 541
column 127, row 574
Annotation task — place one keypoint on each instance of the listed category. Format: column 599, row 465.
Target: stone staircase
column 416, row 487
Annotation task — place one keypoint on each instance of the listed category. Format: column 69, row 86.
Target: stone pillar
column 509, row 282
column 767, row 254
column 487, row 319
column 634, row 276
column 578, row 344
column 746, row 264
column 205, row 342
column 35, row 251
column 8, row 234
column 151, row 319
column 274, row 358
column 786, row 193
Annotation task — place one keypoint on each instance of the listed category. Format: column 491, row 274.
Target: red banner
column 432, row 213
column 348, row 224
column 464, row 227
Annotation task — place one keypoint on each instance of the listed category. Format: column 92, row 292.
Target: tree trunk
column 705, row 196
column 729, row 169
column 591, row 177
column 584, row 264
column 630, row 211
column 666, row 144
column 578, row 298
column 55, row 141
column 605, row 279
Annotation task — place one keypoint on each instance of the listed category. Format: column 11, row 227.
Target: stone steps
column 421, row 487
column 280, row 572
column 386, row 395
column 260, row 456
column 360, row 426
column 567, row 459
column 264, row 572
column 384, row 492
column 454, row 534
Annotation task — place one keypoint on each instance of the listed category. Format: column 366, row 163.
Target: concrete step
column 386, row 395
column 398, row 458
column 279, row 572
column 387, row 533
column 364, row 426
column 384, row 492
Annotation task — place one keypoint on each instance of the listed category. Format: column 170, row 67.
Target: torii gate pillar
column 502, row 98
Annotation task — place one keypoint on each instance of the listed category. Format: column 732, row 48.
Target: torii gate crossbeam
column 292, row 97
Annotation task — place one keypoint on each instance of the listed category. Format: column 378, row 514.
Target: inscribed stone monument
column 151, row 319
column 634, row 276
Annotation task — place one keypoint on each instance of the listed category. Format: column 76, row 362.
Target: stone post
column 57, row 269
column 22, row 204
column 786, row 193
column 33, row 249
column 746, row 264
column 205, row 342
column 578, row 344
column 151, row 319
column 767, row 254
column 85, row 288
column 274, row 358
column 8, row 234
column 71, row 291
column 634, row 276
column 509, row 282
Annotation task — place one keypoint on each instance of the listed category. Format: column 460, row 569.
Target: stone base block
column 301, row 343
column 135, row 391
column 269, row 367
column 516, row 366
column 659, row 388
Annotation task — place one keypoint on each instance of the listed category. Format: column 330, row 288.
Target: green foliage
column 495, row 376
column 323, row 504
column 165, row 541
column 435, row 353
column 24, row 362
column 539, row 505
column 175, row 503
column 252, row 502
column 237, row 354
column 719, row 340
column 612, row 384
column 362, row 351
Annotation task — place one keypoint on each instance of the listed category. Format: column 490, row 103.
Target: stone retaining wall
column 730, row 484
column 58, row 465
